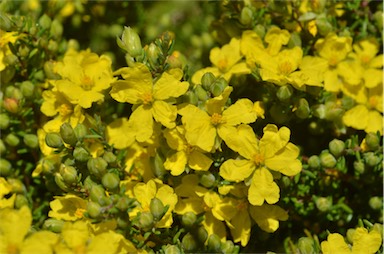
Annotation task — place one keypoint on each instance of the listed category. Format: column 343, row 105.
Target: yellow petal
column 144, row 193
column 120, row 134
column 39, row 242
column 176, row 163
column 15, row 224
column 199, row 161
column 216, row 104
column 267, row 216
column 164, row 113
column 373, row 78
column 169, row 86
column 364, row 242
column 196, row 78
column 356, row 117
column 332, row 82
column 214, row 226
column 241, row 230
column 275, row 38
column 175, row 139
column 274, row 139
column 142, row 123
column 263, row 188
column 335, row 244
column 240, row 112
column 285, row 160
column 236, row 170
column 243, row 140
column 375, row 122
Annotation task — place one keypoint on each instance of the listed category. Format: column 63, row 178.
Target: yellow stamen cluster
column 216, row 119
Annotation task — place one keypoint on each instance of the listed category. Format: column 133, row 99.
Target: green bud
column 158, row 165
column 218, row 87
column 327, row 160
column 157, row 208
column 97, row 194
column 303, row 109
column 378, row 227
column 17, row 185
column 24, row 51
column 20, row 201
column 323, row 25
column 246, row 16
column 336, row 147
column 207, row 80
column 350, row 233
column 13, row 92
column 172, row 249
column 81, row 154
column 53, row 140
column 323, row 204
column 214, row 243
column 80, row 131
column 4, row 121
column 201, row 94
column 378, row 19
column 153, row 53
column 202, row 234
column 52, row 46
column 131, row 42
column 146, row 220
column 227, row 247
column 31, row 140
column 376, row 203
column 189, row 243
column 207, row 180
column 314, row 162
column 27, row 88
column 286, row 181
column 56, row 29
column 11, row 105
column 53, row 225
column 110, row 181
column 188, row 219
column 69, row 174
column 260, row 30
column 97, row 166
column 109, row 157
column 123, row 203
column 93, row 209
column 359, row 167
column 122, row 223
column 49, row 70
column 190, row 98
column 347, row 102
column 68, row 134
column 371, row 159
column 3, row 149
column 305, row 245
column 372, row 141
column 5, row 167
column 284, row 92
column 61, row 183
column 45, row 21
column 12, row 140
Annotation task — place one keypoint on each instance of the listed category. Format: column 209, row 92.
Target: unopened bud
column 13, row 92
column 305, row 245
column 202, row 234
column 131, row 42
column 56, row 29
column 323, row 204
column 97, row 166
column 68, row 134
column 201, row 94
column 303, row 109
column 80, row 131
column 52, row 46
column 376, row 203
column 31, row 140
column 4, row 121
column 157, row 208
column 45, row 21
column 11, row 105
column 359, row 167
column 327, row 160
column 190, row 98
column 3, row 149
column 27, row 88
column 123, row 203
column 110, row 181
column 12, row 140
column 336, row 147
column 371, row 159
column 153, row 55
column 61, row 183
column 20, row 201
column 314, row 162
column 69, row 174
column 372, row 141
column 207, row 180
column 188, row 219
column 49, row 70
column 214, row 243
column 246, row 16
column 93, row 209
column 218, row 86
column 81, row 154
column 227, row 247
column 97, row 194
column 53, row 225
column 323, row 25
column 284, row 92
column 53, row 140
column 146, row 220
column 260, row 30
column 158, row 165
column 172, row 249
column 207, row 80
column 350, row 233
column 17, row 185
column 5, row 167
column 109, row 157
column 189, row 243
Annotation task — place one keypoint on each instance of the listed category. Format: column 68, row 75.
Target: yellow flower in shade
column 253, row 48
column 267, row 216
column 226, row 62
column 185, row 153
column 74, row 118
column 276, row 38
column 5, row 38
column 334, row 49
column 203, row 128
column 14, row 237
column 69, row 208
column 151, row 100
column 272, row 152
column 120, row 134
column 137, row 162
column 84, row 77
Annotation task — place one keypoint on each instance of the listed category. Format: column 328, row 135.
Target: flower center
column 87, row 83
column 373, row 101
column 222, row 65
column 79, row 213
column 147, row 98
column 258, row 158
column 365, row 59
column 333, row 61
column 285, row 68
column 12, row 248
column 65, row 110
column 242, row 206
column 216, row 119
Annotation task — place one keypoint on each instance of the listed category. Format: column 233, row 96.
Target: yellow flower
column 185, row 153
column 267, row 216
column 84, row 77
column 203, row 128
column 335, row 244
column 69, row 207
column 5, row 38
column 272, row 152
column 226, row 62
column 252, row 47
column 119, row 133
column 276, row 38
column 151, row 100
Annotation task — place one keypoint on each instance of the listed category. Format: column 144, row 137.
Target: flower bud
column 246, row 16
column 359, row 167
column 123, row 203
column 4, row 121
column 350, row 233
column 109, row 157
column 60, row 182
column 97, row 194
column 279, row 113
column 13, row 92
column 97, row 166
column 31, row 140
column 378, row 19
column 20, row 201
column 157, row 208
column 158, row 165
column 52, row 46
column 53, row 225
column 207, row 180
column 189, row 243
column 146, row 220
column 110, row 181
column 131, row 42
column 284, row 92
column 49, row 70
column 12, row 140
column 372, row 141
column 336, row 147
column 190, row 98
column 371, row 159
column 69, row 174
column 303, row 109
column 153, row 53
column 305, row 245
column 17, row 185
column 314, row 162
column 5, row 167
column 188, row 219
column 227, row 247
column 323, row 204
column 172, row 249
column 214, row 243
column 218, row 87
column 68, row 134
column 3, row 149
column 201, row 94
column 327, row 160
column 11, row 105
column 323, row 25
column 53, row 140
column 45, row 21
column 378, row 228
column 93, row 209
column 376, row 203
column 202, row 234
column 80, row 131
column 207, row 80
column 56, row 29
column 81, row 154
column 27, row 88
